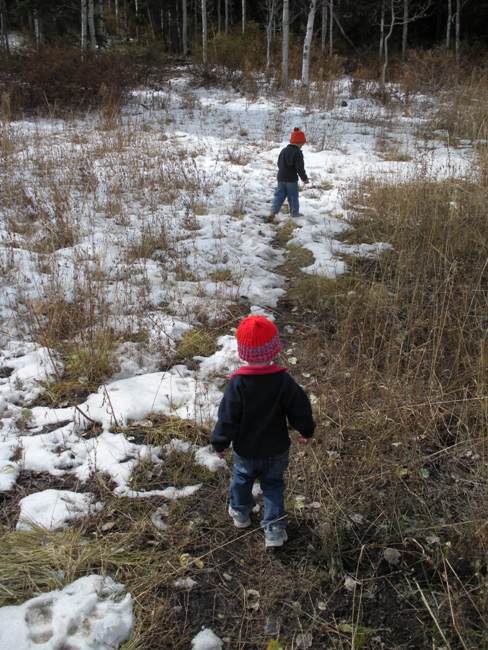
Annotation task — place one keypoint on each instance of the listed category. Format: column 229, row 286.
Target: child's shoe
column 240, row 521
column 274, row 536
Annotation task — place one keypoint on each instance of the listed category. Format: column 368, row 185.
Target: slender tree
column 270, row 7
column 243, row 4
column 448, row 24
column 285, row 47
column 323, row 32
column 226, row 16
column 84, row 24
column 91, row 25
column 382, row 29
column 307, row 42
column 184, row 29
column 405, row 28
column 204, row 32
column 4, row 26
column 457, row 46
column 331, row 27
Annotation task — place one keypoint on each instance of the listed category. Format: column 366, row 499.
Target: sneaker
column 294, row 215
column 240, row 521
column 270, row 217
column 274, row 537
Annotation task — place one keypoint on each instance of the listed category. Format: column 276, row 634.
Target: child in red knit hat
column 290, row 166
column 259, row 402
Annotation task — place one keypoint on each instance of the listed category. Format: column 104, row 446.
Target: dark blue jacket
column 254, row 412
column 291, row 165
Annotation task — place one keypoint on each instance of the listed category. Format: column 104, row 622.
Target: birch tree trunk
column 458, row 29
column 323, row 33
column 382, row 29
column 84, row 23
column 448, row 24
column 101, row 20
column 243, row 16
column 91, row 25
column 226, row 16
column 219, row 16
column 136, row 7
column 116, row 17
column 331, row 27
column 387, row 38
column 184, row 29
column 307, row 42
column 285, row 43
column 37, row 29
column 4, row 26
column 204, row 32
column 269, row 31
column 405, row 28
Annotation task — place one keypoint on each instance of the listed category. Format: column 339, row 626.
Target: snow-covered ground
column 192, row 172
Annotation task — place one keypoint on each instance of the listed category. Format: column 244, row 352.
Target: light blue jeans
column 270, row 473
column 283, row 191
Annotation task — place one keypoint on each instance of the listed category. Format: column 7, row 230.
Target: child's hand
column 303, row 441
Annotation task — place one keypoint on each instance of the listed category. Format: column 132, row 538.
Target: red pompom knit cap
column 297, row 136
column 258, row 339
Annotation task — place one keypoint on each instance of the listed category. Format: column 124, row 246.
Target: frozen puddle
column 91, row 613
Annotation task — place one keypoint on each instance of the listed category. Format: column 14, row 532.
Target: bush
column 56, row 80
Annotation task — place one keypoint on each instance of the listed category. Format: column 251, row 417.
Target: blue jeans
column 283, row 191
column 270, row 472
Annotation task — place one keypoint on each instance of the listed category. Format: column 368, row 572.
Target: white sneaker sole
column 272, row 543
column 237, row 523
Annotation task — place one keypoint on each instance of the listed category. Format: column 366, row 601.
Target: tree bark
column 448, row 24
column 269, row 31
column 331, row 27
column 243, row 16
column 387, row 38
column 116, row 17
column 405, row 28
column 382, row 29
column 37, row 29
column 84, row 24
column 219, row 16
column 91, row 25
column 285, row 47
column 4, row 26
column 226, row 16
column 458, row 29
column 323, row 33
column 307, row 42
column 184, row 29
column 204, row 32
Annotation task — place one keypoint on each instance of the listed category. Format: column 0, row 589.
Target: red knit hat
column 297, row 136
column 257, row 339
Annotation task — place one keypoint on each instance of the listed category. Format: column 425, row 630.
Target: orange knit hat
column 297, row 136
column 257, row 339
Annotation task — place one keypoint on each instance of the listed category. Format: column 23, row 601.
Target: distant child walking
column 259, row 402
column 290, row 166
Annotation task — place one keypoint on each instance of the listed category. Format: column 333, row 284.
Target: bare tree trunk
column 405, row 28
column 387, row 38
column 184, row 30
column 136, row 7
column 37, row 29
column 84, row 24
column 226, row 16
column 116, row 17
column 91, row 25
column 285, row 48
column 150, row 21
column 204, row 32
column 161, row 20
column 243, row 16
column 219, row 16
column 269, row 31
column 458, row 29
column 101, row 19
column 331, row 27
column 4, row 26
column 448, row 24
column 382, row 29
column 323, row 34
column 307, row 42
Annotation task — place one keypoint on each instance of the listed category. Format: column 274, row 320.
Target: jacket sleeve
column 229, row 418
column 299, row 409
column 300, row 166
